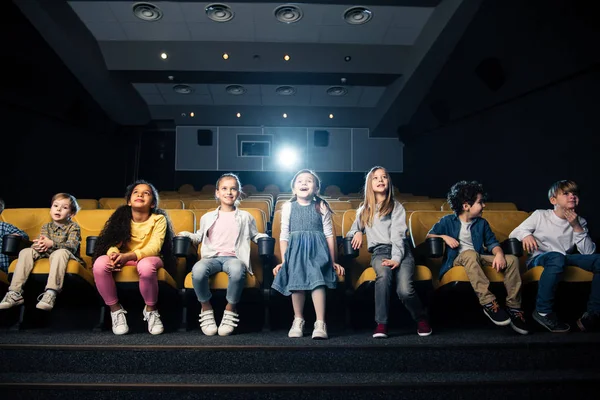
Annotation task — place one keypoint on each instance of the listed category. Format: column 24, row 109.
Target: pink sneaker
column 423, row 328
column 380, row 331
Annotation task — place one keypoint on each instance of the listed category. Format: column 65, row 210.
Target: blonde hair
column 368, row 207
column 563, row 186
column 231, row 175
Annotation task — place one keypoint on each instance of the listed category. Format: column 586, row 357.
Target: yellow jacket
column 146, row 239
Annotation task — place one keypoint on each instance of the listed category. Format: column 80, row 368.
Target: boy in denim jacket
column 468, row 236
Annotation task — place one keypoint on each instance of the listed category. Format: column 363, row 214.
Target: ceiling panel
column 281, row 32
column 198, row 89
column 153, row 99
column 98, row 11
column 107, row 30
column 159, row 30
column 370, row 96
column 188, row 99
column 361, row 34
column 216, row 32
column 220, row 90
column 401, row 36
column 411, row 16
column 123, row 11
column 146, row 88
column 243, row 100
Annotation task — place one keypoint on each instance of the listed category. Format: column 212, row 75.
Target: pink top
column 223, row 234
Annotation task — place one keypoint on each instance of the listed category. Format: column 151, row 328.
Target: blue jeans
column 205, row 268
column 554, row 264
column 404, row 284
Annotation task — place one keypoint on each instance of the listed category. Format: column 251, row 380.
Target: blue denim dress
column 307, row 260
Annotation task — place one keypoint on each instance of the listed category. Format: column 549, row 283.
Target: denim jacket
column 481, row 234
column 246, row 232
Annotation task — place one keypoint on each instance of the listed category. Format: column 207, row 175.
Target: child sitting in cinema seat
column 383, row 219
column 225, row 234
column 551, row 237
column 307, row 250
column 137, row 234
column 7, row 229
column 470, row 241
column 59, row 241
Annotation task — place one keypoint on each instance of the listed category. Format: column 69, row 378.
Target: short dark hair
column 564, row 186
column 464, row 192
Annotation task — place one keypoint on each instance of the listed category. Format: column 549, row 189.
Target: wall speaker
column 205, row 137
column 491, row 72
column 321, row 138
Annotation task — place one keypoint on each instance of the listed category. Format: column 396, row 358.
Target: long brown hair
column 318, row 200
column 369, row 205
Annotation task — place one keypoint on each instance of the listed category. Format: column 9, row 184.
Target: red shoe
column 380, row 331
column 423, row 328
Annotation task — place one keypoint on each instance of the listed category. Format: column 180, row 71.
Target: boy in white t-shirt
column 551, row 237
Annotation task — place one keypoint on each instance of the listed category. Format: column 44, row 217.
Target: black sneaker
column 589, row 321
column 496, row 314
column 517, row 320
column 551, row 322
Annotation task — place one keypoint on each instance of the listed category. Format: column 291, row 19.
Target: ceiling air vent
column 183, row 89
column 288, row 13
column 357, row 15
column 147, row 12
column 286, row 90
column 219, row 12
column 337, row 91
column 235, row 90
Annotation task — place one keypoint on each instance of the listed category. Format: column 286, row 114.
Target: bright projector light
column 287, row 157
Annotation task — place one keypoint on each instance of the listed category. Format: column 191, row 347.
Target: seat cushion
column 571, row 274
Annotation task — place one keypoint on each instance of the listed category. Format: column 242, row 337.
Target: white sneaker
column 297, row 329
column 320, row 330
column 46, row 300
column 155, row 325
column 11, row 299
column 207, row 323
column 228, row 323
column 119, row 322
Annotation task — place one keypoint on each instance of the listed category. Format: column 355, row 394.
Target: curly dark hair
column 117, row 229
column 464, row 192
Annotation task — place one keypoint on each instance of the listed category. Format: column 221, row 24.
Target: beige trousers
column 473, row 263
column 27, row 257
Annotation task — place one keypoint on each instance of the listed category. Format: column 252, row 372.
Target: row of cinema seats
column 355, row 290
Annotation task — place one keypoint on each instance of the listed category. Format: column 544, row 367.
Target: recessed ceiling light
column 183, row 89
column 284, row 115
column 238, row 115
column 330, row 116
column 171, row 77
column 337, row 91
column 192, row 114
column 164, row 56
column 235, row 90
column 147, row 12
column 357, row 15
column 219, row 12
column 288, row 13
column 286, row 57
column 286, row 90
column 347, row 58
column 225, row 56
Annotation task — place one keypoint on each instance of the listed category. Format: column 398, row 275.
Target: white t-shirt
column 464, row 237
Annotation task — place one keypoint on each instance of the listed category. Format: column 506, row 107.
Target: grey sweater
column 389, row 230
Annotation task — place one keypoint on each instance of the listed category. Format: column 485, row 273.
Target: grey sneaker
column 46, row 300
column 551, row 322
column 11, row 299
column 155, row 325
